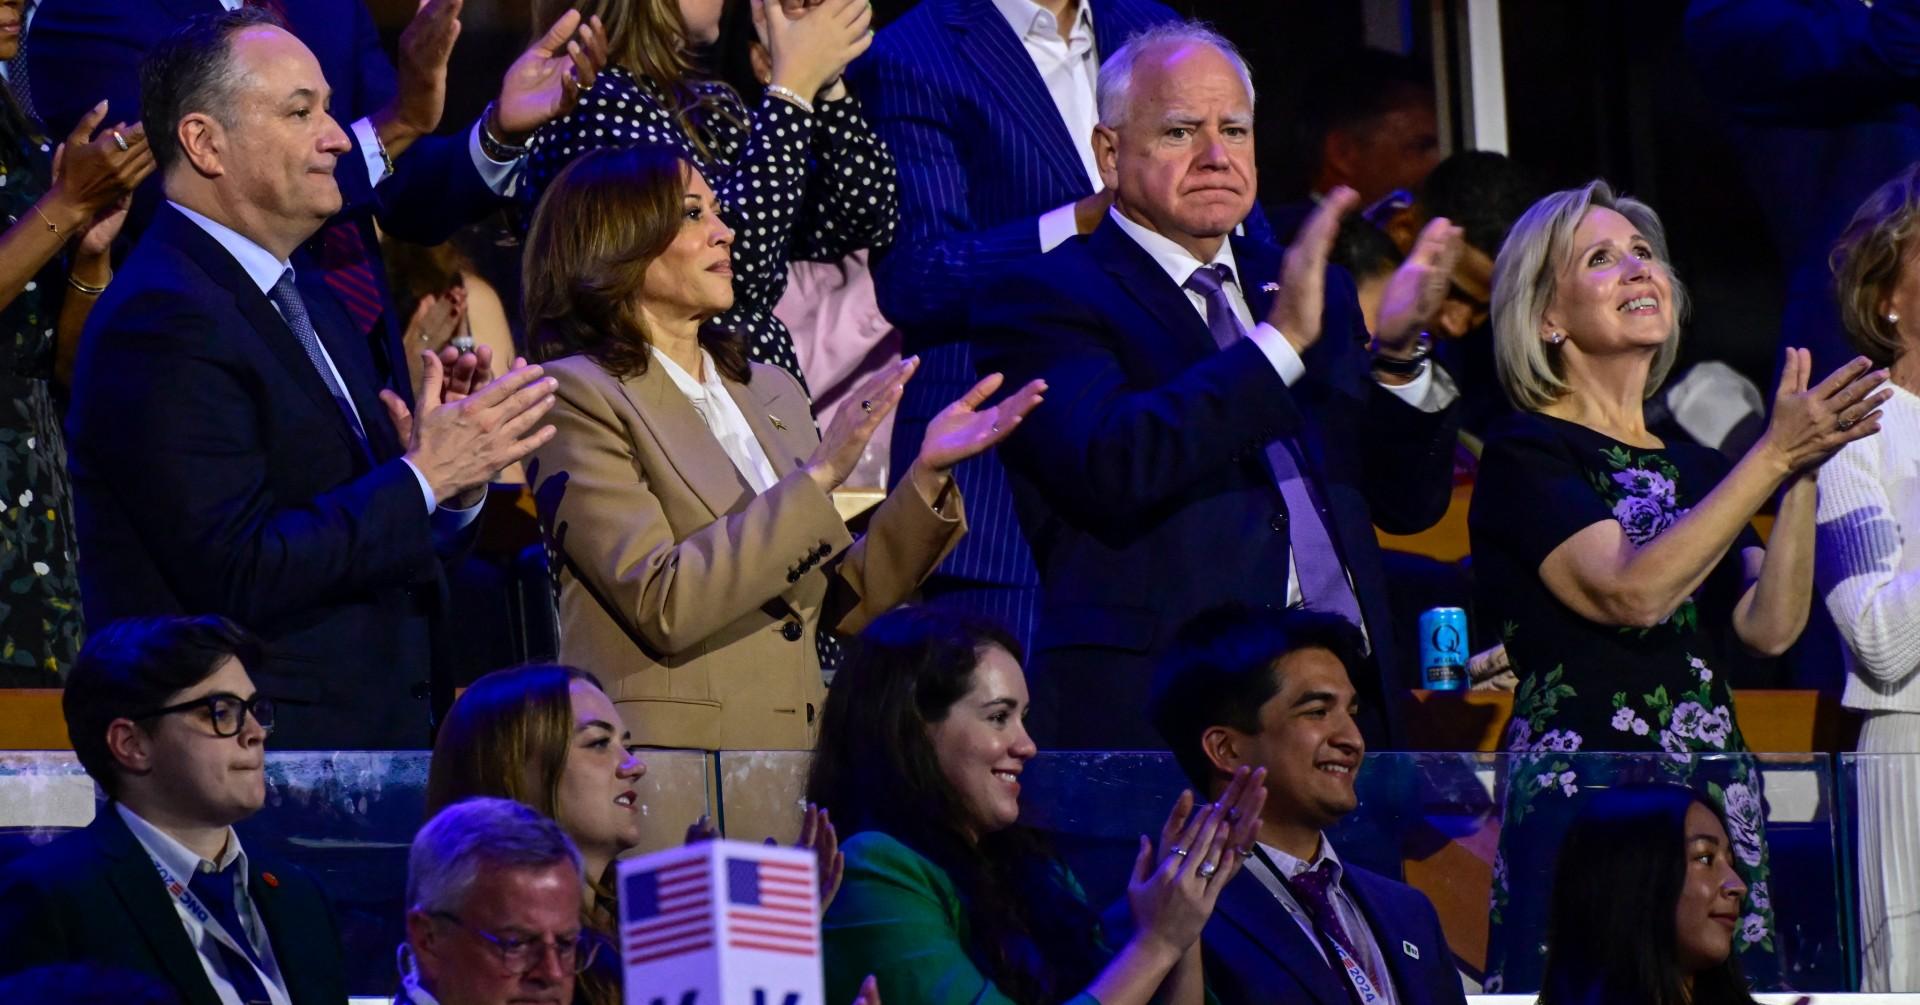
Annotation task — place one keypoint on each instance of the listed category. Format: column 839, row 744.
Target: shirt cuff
column 1056, row 225
column 1432, row 391
column 1286, row 362
column 369, row 140
column 447, row 520
column 502, row 177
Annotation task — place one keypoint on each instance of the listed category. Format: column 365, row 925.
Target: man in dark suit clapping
column 233, row 446
column 1252, row 687
column 166, row 718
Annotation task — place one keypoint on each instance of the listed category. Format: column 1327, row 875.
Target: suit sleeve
column 181, row 447
column 1407, row 452
column 83, row 51
column 1104, row 452
column 927, row 281
column 1797, row 62
column 600, row 512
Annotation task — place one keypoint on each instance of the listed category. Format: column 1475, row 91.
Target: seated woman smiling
column 686, row 495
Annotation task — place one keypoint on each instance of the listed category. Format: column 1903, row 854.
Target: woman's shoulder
column 1524, row 435
column 876, row 848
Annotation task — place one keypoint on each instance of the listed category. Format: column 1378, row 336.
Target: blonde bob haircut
column 1867, row 262
column 1526, row 277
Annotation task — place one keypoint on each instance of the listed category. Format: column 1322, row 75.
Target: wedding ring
column 120, row 141
column 1208, row 869
column 996, row 427
column 867, row 407
column 1244, row 852
column 1177, row 850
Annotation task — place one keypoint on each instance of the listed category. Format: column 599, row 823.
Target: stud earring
column 1556, row 337
column 1893, row 318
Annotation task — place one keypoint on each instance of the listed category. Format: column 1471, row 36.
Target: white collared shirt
column 1068, row 66
column 710, row 397
column 265, row 270
column 183, row 862
column 1351, row 918
column 502, row 177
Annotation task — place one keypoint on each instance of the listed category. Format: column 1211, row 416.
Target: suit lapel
column 1150, row 286
column 131, row 874
column 763, row 404
column 988, row 42
column 1259, row 267
column 689, row 444
column 294, row 947
column 1399, row 967
column 351, row 356
column 1248, row 905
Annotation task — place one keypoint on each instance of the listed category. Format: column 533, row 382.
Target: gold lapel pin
column 777, row 424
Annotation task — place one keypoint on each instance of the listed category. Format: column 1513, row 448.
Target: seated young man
column 1269, row 689
column 164, row 716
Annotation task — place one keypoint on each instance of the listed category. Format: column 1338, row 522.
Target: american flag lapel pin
column 1410, row 949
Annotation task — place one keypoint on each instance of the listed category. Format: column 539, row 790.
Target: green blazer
column 898, row 916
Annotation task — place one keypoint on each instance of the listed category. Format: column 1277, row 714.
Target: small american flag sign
column 771, row 906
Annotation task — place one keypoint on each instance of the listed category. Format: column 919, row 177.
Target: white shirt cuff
column 1056, row 225
column 1432, row 391
column 501, row 176
column 369, row 139
column 1286, row 362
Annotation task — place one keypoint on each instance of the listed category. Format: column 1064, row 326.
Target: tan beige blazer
column 694, row 600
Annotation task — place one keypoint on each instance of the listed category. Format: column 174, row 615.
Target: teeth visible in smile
column 1007, row 776
column 1639, row 303
column 1336, row 769
column 626, row 799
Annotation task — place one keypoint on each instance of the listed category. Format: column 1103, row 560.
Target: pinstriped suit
column 982, row 153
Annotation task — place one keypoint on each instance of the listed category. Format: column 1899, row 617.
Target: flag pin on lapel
column 777, row 424
column 1410, row 949
column 269, row 878
column 1269, row 287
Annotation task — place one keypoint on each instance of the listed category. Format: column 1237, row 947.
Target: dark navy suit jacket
column 1143, row 481
column 982, row 152
column 92, row 896
column 1256, row 954
column 1824, row 97
column 215, row 474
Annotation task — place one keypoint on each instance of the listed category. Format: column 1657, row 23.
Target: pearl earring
column 1893, row 318
column 1556, row 337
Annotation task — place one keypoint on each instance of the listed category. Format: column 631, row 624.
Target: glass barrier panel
column 1879, row 849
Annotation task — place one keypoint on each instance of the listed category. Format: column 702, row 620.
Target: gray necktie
column 294, row 310
column 1323, row 579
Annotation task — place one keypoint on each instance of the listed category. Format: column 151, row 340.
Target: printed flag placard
column 721, row 923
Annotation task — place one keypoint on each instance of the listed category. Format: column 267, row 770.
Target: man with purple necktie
column 1211, row 434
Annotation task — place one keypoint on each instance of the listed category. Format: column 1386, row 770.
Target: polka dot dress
column 792, row 185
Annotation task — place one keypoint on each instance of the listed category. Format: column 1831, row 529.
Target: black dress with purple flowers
column 1587, row 687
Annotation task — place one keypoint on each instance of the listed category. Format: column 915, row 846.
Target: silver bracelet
column 791, row 97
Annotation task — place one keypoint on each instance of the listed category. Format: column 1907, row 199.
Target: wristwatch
column 1409, row 367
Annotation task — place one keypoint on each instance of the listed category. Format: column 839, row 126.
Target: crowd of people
column 1142, row 432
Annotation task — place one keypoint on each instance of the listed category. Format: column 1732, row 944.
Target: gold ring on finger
column 120, row 141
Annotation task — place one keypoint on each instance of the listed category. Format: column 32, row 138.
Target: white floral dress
column 1587, row 689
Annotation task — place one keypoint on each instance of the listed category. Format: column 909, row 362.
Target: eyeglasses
column 227, row 712
column 521, row 955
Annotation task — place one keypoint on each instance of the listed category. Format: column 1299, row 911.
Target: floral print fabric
column 1586, row 688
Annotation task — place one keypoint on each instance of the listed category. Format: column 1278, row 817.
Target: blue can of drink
column 1443, row 649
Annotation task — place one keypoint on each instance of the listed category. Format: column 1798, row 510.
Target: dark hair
column 1610, row 929
column 1222, row 667
column 597, row 228
column 1482, row 192
column 1361, row 249
column 192, row 70
column 135, row 666
column 875, row 769
column 85, row 984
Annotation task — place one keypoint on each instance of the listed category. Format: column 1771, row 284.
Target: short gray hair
column 466, row 837
column 1526, row 276
column 1115, row 91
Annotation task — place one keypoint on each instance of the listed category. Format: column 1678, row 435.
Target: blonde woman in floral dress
column 1619, row 568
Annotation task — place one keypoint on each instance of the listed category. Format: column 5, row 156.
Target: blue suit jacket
column 92, row 896
column 1256, row 953
column 1143, row 481
column 1824, row 97
column 982, row 152
column 214, row 474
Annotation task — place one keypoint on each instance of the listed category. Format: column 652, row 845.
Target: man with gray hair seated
column 493, row 909
column 1220, row 423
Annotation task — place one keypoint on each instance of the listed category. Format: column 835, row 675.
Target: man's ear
column 203, row 143
column 130, row 746
column 1106, row 155
column 1225, row 748
column 420, row 935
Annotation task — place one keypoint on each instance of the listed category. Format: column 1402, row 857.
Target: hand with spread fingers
column 1811, row 424
column 1418, row 288
column 1298, row 308
column 459, row 445
column 846, row 436
column 420, row 92
column 547, row 80
column 967, row 429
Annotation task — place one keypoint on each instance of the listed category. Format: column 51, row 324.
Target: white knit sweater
column 1869, row 496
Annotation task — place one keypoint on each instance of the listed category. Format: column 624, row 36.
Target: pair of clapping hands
column 1176, row 880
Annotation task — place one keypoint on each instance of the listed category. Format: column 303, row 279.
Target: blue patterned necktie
column 294, row 310
column 1323, row 577
column 216, row 893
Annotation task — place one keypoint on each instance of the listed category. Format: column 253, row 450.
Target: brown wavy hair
column 598, row 227
column 1867, row 261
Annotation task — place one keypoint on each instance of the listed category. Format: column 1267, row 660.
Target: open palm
column 964, row 429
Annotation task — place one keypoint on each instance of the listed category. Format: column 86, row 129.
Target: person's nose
column 632, row 766
column 333, row 139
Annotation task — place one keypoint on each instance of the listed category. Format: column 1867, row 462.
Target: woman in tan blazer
column 686, row 495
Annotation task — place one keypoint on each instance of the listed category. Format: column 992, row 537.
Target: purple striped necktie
column 348, row 267
column 1323, row 577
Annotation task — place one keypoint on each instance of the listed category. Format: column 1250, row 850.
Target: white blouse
column 710, row 398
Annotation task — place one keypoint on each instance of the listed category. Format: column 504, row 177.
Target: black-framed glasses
column 521, row 955
column 227, row 712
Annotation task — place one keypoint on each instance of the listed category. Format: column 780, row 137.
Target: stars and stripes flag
column 771, row 906
column 666, row 912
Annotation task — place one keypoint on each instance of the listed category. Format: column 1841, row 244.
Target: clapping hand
column 965, row 429
column 810, row 48
column 92, row 173
column 1418, row 288
column 1302, row 300
column 420, row 92
column 1198, row 855
column 548, row 79
column 846, row 436
column 465, row 431
column 1810, row 424
column 818, row 836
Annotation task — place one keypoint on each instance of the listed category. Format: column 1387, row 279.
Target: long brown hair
column 648, row 38
column 597, row 228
